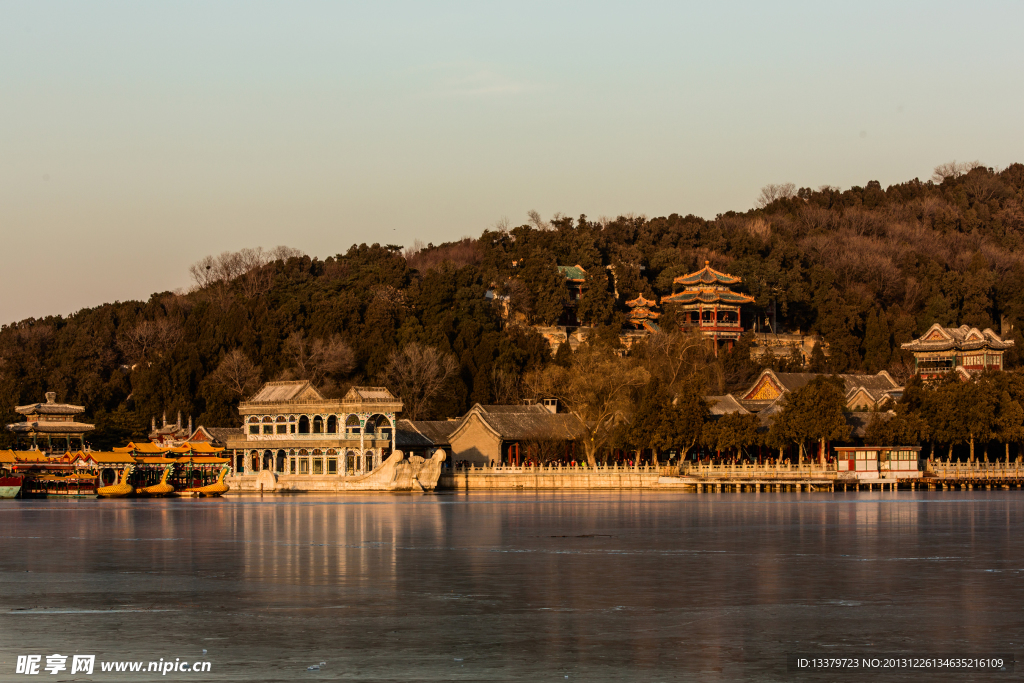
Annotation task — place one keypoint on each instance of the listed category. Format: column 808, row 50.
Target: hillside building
column 708, row 303
column 964, row 350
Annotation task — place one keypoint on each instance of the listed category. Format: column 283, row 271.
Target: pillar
column 394, row 432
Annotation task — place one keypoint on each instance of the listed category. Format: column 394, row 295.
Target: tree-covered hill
column 867, row 268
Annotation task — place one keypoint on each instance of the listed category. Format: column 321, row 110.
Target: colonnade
column 316, row 461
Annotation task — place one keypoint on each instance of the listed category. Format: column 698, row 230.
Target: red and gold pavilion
column 707, row 302
column 641, row 314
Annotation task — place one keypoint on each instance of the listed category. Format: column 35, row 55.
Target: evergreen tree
column 877, row 345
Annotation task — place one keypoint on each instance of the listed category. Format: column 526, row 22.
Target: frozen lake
column 533, row 587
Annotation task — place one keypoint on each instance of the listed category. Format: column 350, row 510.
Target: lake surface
column 634, row 586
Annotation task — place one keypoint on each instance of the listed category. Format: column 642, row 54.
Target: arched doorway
column 254, row 461
column 280, row 462
column 303, row 425
column 318, row 425
column 268, row 460
column 239, row 463
column 332, row 424
column 351, row 460
column 352, row 424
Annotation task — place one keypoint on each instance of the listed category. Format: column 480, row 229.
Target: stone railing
column 325, row 436
column 756, row 471
column 549, row 476
column 555, row 467
column 974, row 470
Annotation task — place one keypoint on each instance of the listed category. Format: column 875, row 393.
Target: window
column 254, row 429
column 332, row 465
column 291, row 465
column 282, row 429
column 304, row 466
column 268, row 429
column 318, row 465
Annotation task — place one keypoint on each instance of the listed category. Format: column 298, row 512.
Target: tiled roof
column 222, row 434
column 858, row 422
column 962, row 338
column 536, row 426
column 424, row 433
column 643, row 314
column 640, row 300
column 49, row 409
column 51, row 427
column 707, row 296
column 707, row 276
column 370, row 394
column 514, row 408
column 724, row 405
column 573, row 272
column 279, row 392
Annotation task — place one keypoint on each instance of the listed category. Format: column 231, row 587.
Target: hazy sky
column 135, row 138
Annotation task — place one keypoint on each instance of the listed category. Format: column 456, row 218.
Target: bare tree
column 953, row 169
column 598, row 387
column 315, row 360
column 249, row 267
column 681, row 359
column 506, row 387
column 417, row 374
column 536, row 221
column 236, row 374
column 148, row 337
column 774, row 192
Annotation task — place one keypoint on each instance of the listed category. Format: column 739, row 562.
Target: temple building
column 707, row 303
column 50, row 426
column 964, row 350
column 515, row 434
column 575, row 279
column 863, row 392
column 289, row 428
column 766, row 397
column 642, row 315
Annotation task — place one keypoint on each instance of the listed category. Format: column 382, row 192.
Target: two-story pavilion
column 50, row 426
column 707, row 303
column 965, row 350
column 289, row 428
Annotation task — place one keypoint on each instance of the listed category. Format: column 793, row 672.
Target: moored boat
column 10, row 485
column 10, row 481
column 74, row 485
column 121, row 488
column 216, row 488
column 160, row 489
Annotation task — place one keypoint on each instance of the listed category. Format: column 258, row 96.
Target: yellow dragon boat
column 160, row 489
column 120, row 489
column 218, row 488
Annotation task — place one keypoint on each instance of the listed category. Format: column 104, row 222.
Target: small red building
column 879, row 462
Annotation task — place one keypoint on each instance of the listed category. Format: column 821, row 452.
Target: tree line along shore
column 447, row 326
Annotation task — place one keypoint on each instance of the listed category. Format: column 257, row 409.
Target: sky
column 137, row 138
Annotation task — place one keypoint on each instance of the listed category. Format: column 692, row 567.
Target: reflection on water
column 598, row 586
